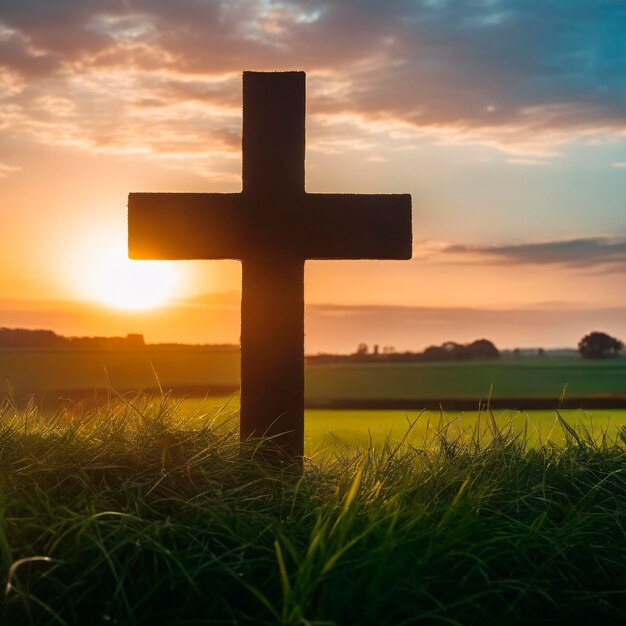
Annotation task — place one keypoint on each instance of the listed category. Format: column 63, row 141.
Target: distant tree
column 456, row 351
column 362, row 349
column 541, row 352
column 452, row 351
column 435, row 353
column 597, row 345
column 483, row 349
column 517, row 353
column 25, row 338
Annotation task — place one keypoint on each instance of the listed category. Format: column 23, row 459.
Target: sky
column 505, row 120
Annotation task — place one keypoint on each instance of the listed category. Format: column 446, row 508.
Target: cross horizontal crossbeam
column 223, row 226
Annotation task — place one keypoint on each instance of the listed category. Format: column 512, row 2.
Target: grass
column 136, row 514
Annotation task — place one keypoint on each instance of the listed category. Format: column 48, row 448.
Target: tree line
column 595, row 345
column 449, row 351
column 26, row 338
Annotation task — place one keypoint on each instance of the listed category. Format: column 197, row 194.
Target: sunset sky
column 505, row 120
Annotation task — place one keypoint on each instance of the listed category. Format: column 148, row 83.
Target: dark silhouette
column 456, row 351
column 483, row 349
column 480, row 349
column 26, row 338
column 434, row 353
column 362, row 349
column 597, row 345
column 451, row 351
column 273, row 226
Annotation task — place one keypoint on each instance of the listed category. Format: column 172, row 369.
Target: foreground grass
column 129, row 515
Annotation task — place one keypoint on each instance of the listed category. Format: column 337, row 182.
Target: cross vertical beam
column 273, row 133
column 272, row 303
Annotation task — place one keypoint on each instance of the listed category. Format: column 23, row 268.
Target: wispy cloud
column 159, row 78
column 528, row 162
column 584, row 252
column 428, row 249
column 6, row 170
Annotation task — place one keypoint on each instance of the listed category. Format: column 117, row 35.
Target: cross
column 273, row 226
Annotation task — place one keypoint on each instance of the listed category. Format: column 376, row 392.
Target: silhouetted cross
column 273, row 226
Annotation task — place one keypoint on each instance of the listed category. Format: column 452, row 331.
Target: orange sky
column 514, row 152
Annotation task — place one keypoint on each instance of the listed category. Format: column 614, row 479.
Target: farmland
column 214, row 370
column 44, row 370
column 523, row 378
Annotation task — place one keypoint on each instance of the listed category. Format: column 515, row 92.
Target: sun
column 122, row 283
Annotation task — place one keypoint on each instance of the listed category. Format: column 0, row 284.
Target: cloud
column 6, row 170
column 609, row 253
column 160, row 78
column 527, row 162
column 428, row 249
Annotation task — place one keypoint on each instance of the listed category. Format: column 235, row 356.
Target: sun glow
column 122, row 283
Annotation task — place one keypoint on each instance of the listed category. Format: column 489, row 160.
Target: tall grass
column 127, row 514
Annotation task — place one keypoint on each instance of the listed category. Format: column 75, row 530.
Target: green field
column 537, row 378
column 332, row 429
column 210, row 369
column 40, row 371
